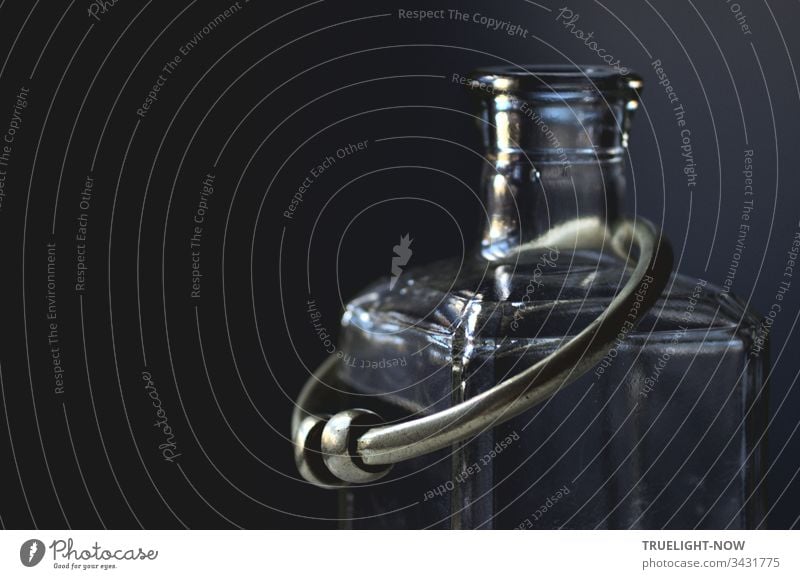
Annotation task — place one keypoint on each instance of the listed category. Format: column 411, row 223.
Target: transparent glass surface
column 665, row 432
column 662, row 433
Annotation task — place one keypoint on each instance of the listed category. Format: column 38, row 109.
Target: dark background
column 259, row 102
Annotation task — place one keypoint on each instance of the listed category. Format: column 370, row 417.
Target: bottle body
column 667, row 431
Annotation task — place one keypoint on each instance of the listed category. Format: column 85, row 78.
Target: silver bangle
column 352, row 447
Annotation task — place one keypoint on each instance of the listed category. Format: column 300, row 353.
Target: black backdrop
column 258, row 99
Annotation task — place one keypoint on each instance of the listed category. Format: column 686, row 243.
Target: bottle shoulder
column 546, row 293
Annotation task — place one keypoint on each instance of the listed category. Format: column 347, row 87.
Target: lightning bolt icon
column 402, row 253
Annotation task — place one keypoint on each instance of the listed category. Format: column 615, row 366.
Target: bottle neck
column 527, row 200
column 555, row 157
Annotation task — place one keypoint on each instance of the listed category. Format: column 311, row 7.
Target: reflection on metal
column 352, row 455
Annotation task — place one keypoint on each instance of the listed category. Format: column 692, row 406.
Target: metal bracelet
column 351, row 446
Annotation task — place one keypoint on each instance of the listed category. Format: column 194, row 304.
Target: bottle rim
column 555, row 78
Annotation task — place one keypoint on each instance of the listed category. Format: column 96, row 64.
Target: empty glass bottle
column 666, row 431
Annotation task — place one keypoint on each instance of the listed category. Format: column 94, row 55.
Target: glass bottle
column 665, row 432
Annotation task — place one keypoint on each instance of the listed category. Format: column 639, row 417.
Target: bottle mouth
column 562, row 81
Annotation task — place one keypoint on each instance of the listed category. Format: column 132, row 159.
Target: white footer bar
column 406, row 554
